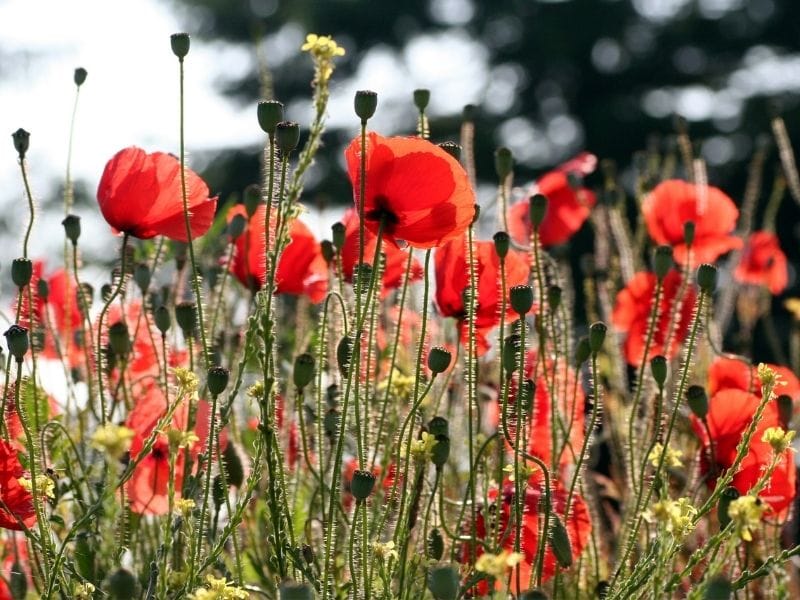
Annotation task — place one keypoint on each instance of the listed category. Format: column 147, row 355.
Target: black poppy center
column 382, row 214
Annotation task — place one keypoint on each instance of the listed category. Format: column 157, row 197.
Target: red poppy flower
column 420, row 192
column 15, row 557
column 729, row 414
column 567, row 208
column 763, row 263
column 674, row 203
column 16, row 507
column 579, row 528
column 732, row 374
column 140, row 194
column 452, row 278
column 302, row 270
column 632, row 313
column 396, row 259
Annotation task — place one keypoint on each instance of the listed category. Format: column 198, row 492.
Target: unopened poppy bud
column 697, row 400
column 658, row 367
column 662, row 261
column 440, row 451
column 343, row 352
column 218, row 492
column 365, row 103
column 443, row 582
column 451, row 148
column 534, row 594
column 186, row 316
column 554, row 294
column 327, row 251
column 122, row 585
column 119, row 339
column 270, row 113
column 72, row 228
column 434, row 548
column 362, row 275
column 252, row 199
column 601, row 589
column 22, row 140
column 79, row 76
column 43, row 289
column 304, row 368
column 538, row 209
column 287, row 136
column 17, row 341
column 141, row 275
column 785, row 409
column 180, row 44
column 476, row 215
column 439, row 426
column 582, row 351
column 688, row 233
column 503, row 163
column 707, row 278
column 162, row 319
column 421, row 99
column 330, row 422
column 217, row 380
column 559, row 542
column 439, row 359
column 21, row 271
column 510, row 355
column 728, row 495
column 338, row 231
column 236, row 226
column 362, row 483
column 234, row 470
column 719, row 587
column 18, row 582
column 105, row 291
column 469, row 112
column 296, row 591
column 308, row 554
column 521, row 298
column 502, row 243
column 597, row 335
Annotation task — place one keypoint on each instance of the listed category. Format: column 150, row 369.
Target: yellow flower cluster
column 402, row 385
column 323, row 49
column 385, row 551
column 746, row 512
column 217, row 588
column 779, row 439
column 186, row 379
column 112, row 439
column 421, row 448
column 83, row 591
column 178, row 438
column 676, row 515
column 496, row 565
column 672, row 459
column 44, row 485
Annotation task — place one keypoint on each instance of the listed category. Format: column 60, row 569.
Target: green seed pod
column 662, row 261
column 327, row 251
column 538, row 210
column 421, row 99
column 43, row 289
column 439, row 426
column 554, row 295
column 582, row 351
column 122, row 585
column 365, row 103
column 237, row 226
column 234, row 470
column 296, row 591
column 534, row 594
column 728, row 495
column 434, row 549
column 439, row 360
column 308, row 554
column 658, row 367
column 697, row 400
column 362, row 484
column 304, row 368
column 217, row 380
column 119, row 339
column 440, row 451
column 719, row 588
column 21, row 271
column 180, row 44
column 688, row 233
column 338, row 232
column 186, row 316
column 72, row 228
column 559, row 543
column 17, row 341
column 503, row 163
column 270, row 113
column 218, row 492
column 18, row 582
column 452, row 149
column 521, row 299
column 510, row 355
column 162, row 319
column 344, row 351
column 252, row 199
column 141, row 275
column 597, row 335
column 785, row 409
column 502, row 243
column 443, row 582
column 22, row 140
column 287, row 136
column 707, row 278
column 79, row 76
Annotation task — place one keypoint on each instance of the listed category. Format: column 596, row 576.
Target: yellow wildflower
column 112, row 439
column 217, row 588
column 323, row 49
column 256, row 391
column 421, row 448
column 779, row 439
column 672, row 459
column 402, row 385
column 496, row 565
column 44, row 485
column 676, row 515
column 793, row 306
column 178, row 438
column 185, row 506
column 83, row 591
column 525, row 471
column 385, row 551
column 187, row 380
column 746, row 512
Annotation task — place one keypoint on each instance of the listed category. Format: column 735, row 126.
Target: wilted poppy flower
column 579, row 527
column 140, row 194
column 674, row 203
column 302, row 270
column 632, row 313
column 420, row 192
column 567, row 207
column 763, row 263
column 452, row 278
column 729, row 414
column 16, row 503
column 396, row 259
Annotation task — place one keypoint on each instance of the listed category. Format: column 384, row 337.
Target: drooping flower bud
column 304, row 368
column 72, row 228
column 697, row 399
column 559, row 542
column 79, row 76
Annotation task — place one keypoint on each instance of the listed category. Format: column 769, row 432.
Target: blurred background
column 548, row 78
